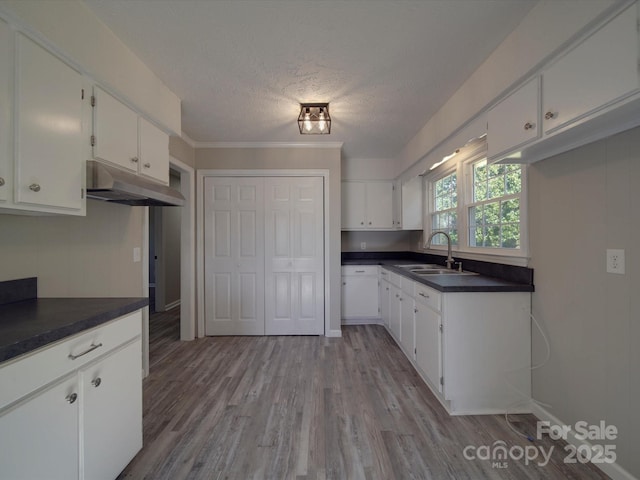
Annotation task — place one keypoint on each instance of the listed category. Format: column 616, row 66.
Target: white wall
column 292, row 158
column 376, row 241
column 88, row 256
column 369, row 169
column 581, row 203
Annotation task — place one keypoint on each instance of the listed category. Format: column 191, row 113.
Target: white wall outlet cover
column 615, row 261
column 363, row 245
column 137, row 256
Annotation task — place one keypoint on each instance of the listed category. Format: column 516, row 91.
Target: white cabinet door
column 412, row 204
column 6, row 59
column 394, row 311
column 294, row 255
column 379, row 205
column 154, row 152
column 384, row 302
column 407, row 329
column 115, row 128
column 234, row 256
column 428, row 344
column 353, row 205
column 48, row 147
column 112, row 417
column 39, row 438
column 514, row 121
column 359, row 296
column 598, row 71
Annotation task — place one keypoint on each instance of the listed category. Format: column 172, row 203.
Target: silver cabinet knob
column 96, row 382
column 72, row 398
column 34, row 187
column 369, row 223
column 147, row 165
column 529, row 126
column 134, row 159
column 1, row 181
column 361, row 223
column 550, row 115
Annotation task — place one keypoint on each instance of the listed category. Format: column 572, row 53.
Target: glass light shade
column 314, row 119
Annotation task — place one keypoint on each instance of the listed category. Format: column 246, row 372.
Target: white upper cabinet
column 590, row 92
column 154, row 151
column 515, row 120
column 126, row 140
column 5, row 110
column 115, row 131
column 600, row 70
column 367, row 205
column 48, row 138
column 411, row 201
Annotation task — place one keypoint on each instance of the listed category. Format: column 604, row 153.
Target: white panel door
column 234, row 256
column 49, row 163
column 294, row 256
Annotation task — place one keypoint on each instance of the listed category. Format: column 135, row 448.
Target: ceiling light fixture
column 314, row 119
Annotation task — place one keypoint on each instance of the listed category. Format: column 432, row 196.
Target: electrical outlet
column 363, row 245
column 615, row 261
column 137, row 257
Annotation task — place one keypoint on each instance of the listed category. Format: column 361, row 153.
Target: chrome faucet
column 449, row 260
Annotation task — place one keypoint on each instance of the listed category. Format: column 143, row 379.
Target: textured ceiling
column 241, row 67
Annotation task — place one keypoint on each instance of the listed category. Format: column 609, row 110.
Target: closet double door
column 264, row 255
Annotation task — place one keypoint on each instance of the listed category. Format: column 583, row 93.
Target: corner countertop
column 448, row 283
column 34, row 323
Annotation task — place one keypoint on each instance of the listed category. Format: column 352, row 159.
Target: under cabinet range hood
column 111, row 184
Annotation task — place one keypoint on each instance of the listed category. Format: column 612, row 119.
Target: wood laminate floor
column 312, row 408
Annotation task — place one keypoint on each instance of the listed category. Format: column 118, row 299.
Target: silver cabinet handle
column 359, row 271
column 71, row 398
column 529, row 126
column 549, row 115
column 423, row 295
column 134, row 159
column 147, row 165
column 34, row 187
column 1, row 181
column 88, row 350
column 96, row 383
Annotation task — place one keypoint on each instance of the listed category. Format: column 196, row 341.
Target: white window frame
column 430, row 210
column 463, row 166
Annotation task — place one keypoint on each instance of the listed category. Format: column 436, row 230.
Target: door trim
column 201, row 174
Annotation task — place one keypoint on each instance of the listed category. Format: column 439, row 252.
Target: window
column 481, row 206
column 444, row 216
column 494, row 210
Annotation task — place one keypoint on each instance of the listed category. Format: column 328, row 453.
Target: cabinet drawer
column 360, row 270
column 428, row 296
column 26, row 374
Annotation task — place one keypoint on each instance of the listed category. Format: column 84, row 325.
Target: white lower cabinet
column 112, row 402
column 360, row 292
column 39, row 438
column 84, row 421
column 473, row 349
column 407, row 319
column 384, row 302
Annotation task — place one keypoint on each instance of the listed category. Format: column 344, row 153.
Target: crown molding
column 267, row 145
column 192, row 143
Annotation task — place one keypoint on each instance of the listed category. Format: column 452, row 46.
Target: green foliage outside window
column 445, row 216
column 494, row 219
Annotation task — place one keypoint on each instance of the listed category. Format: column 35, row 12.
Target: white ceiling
column 241, row 67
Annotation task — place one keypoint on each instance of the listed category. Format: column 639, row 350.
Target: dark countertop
column 448, row 283
column 31, row 324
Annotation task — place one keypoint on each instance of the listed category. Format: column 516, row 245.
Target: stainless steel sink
column 426, row 269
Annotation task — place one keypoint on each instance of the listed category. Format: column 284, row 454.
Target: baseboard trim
column 615, row 471
column 361, row 321
column 333, row 333
column 172, row 305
